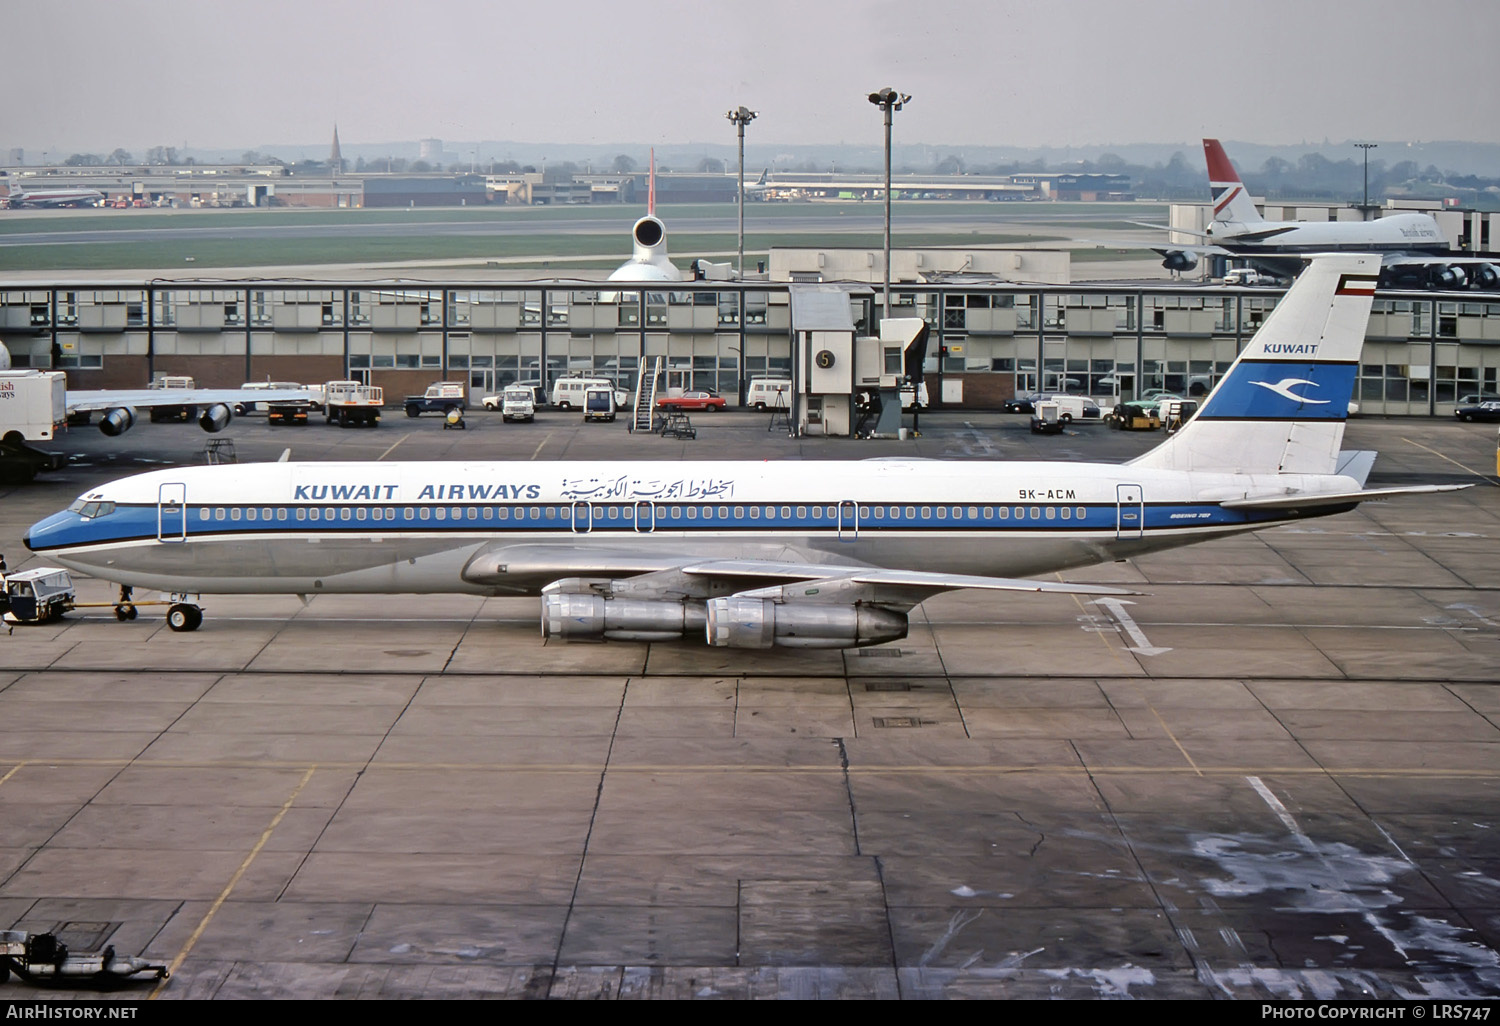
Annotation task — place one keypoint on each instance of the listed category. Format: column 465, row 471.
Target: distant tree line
column 1311, row 177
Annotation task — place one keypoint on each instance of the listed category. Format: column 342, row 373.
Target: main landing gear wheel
column 184, row 617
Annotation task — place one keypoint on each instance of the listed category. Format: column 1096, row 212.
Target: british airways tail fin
column 1231, row 202
column 1281, row 407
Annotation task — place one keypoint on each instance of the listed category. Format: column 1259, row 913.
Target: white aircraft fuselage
column 512, row 528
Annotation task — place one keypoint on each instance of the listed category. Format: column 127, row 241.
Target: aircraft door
column 848, row 521
column 171, row 512
column 583, row 518
column 645, row 517
column 1130, row 511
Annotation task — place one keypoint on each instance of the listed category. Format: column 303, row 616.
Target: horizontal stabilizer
column 1310, row 501
column 1356, row 463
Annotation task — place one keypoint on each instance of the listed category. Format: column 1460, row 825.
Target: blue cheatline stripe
column 1283, row 390
column 137, row 523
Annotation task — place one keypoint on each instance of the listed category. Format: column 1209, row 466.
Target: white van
column 769, row 393
column 1076, row 407
column 568, row 393
column 1245, row 276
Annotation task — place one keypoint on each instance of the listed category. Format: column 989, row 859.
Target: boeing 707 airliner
column 753, row 554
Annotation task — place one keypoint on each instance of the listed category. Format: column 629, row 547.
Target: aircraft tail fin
column 651, row 186
column 1282, row 405
column 1231, row 201
column 763, row 176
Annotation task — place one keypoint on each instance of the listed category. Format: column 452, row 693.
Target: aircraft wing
column 919, row 580
column 538, row 565
column 114, row 398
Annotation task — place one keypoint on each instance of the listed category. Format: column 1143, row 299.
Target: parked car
column 441, row 397
column 696, row 400
column 1024, row 403
column 1480, row 411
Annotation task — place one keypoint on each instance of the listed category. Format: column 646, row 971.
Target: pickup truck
column 440, row 397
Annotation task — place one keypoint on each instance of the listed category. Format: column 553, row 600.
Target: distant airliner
column 753, row 554
column 1414, row 252
column 649, row 262
column 54, row 198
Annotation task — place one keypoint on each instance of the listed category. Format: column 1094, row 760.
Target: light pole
column 741, row 116
column 1364, row 210
column 888, row 100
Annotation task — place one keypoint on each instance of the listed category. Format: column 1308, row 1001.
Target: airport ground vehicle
column 1134, row 417
column 1048, row 418
column 350, row 404
column 33, row 405
column 441, row 397
column 39, row 957
column 1480, row 411
column 1247, row 276
column 769, row 392
column 288, row 413
column 160, row 414
column 568, row 393
column 698, row 400
column 599, row 404
column 1075, row 407
column 516, row 403
column 243, row 408
column 39, row 595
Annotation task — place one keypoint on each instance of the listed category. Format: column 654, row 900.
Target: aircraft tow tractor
column 41, row 957
column 44, row 594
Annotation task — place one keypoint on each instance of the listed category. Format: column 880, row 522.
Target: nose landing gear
column 184, row 616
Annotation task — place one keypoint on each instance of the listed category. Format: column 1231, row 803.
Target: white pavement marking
column 1116, row 609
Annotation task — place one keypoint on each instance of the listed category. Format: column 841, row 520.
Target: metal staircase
column 645, row 399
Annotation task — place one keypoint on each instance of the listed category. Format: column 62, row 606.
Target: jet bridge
column 843, row 381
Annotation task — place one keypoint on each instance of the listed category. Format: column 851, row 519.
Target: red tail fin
column 1219, row 167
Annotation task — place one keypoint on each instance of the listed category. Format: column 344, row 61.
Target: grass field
column 993, row 225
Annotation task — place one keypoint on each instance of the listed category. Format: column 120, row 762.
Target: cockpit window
column 93, row 508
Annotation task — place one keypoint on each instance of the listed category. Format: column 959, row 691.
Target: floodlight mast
column 1364, row 210
column 889, row 101
column 741, row 116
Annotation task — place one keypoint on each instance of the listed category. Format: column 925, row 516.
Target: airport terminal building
column 989, row 340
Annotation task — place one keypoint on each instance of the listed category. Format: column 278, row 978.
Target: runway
column 1275, row 773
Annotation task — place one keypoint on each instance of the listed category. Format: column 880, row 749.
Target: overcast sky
column 91, row 75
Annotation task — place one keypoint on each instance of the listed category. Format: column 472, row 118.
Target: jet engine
column 1180, row 260
column 1485, row 276
column 117, row 421
column 1446, row 276
column 744, row 622
column 649, row 233
column 573, row 616
column 215, row 418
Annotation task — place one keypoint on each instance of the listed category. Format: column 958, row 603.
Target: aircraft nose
column 37, row 535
